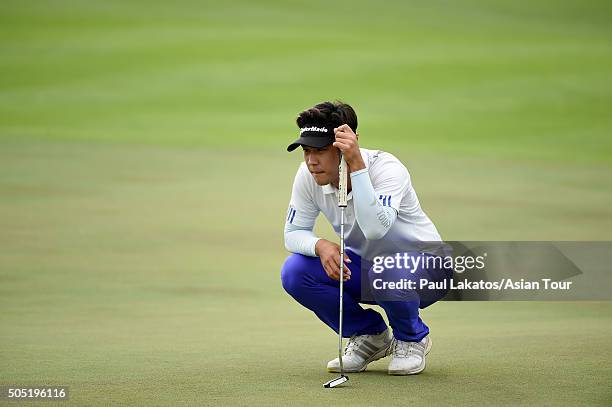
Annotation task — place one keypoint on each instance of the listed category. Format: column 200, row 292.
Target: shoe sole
column 418, row 370
column 378, row 355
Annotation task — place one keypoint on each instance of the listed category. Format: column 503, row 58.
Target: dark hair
column 328, row 114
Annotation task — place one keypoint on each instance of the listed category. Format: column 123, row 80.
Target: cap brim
column 316, row 142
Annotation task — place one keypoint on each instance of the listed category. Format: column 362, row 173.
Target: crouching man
column 382, row 204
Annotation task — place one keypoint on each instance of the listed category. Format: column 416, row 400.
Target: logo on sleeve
column 385, row 200
column 291, row 214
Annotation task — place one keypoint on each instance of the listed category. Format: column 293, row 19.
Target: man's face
column 322, row 163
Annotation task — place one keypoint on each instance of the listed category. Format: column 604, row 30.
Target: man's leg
column 304, row 278
column 402, row 305
column 402, row 309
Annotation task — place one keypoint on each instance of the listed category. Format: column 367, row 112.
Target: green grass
column 143, row 187
column 484, row 78
column 137, row 276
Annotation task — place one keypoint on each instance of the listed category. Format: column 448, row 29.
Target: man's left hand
column 346, row 141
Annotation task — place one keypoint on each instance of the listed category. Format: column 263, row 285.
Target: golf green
column 144, row 185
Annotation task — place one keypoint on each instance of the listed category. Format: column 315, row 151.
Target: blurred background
column 144, row 184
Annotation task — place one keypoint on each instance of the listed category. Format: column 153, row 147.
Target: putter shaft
column 341, row 289
column 342, row 203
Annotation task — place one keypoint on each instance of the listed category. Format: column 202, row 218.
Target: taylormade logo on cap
column 318, row 129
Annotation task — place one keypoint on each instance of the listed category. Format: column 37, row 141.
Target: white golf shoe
column 408, row 357
column 361, row 350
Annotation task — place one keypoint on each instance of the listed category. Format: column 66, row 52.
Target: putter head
column 335, row 382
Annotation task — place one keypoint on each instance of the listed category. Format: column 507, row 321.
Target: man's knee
column 373, row 274
column 392, row 285
column 294, row 272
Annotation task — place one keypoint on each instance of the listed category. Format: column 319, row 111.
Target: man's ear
column 357, row 136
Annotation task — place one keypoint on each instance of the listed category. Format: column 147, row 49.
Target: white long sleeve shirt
column 382, row 204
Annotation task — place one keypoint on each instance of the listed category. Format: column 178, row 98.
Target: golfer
column 382, row 204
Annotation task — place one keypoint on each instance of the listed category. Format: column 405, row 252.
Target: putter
column 342, row 204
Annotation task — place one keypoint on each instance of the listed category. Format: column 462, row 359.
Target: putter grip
column 342, row 182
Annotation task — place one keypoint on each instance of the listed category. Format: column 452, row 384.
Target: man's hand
column 346, row 141
column 329, row 253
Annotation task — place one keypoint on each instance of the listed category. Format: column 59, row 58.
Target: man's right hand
column 329, row 253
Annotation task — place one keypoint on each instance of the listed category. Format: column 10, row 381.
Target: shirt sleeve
column 301, row 216
column 390, row 180
column 374, row 218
